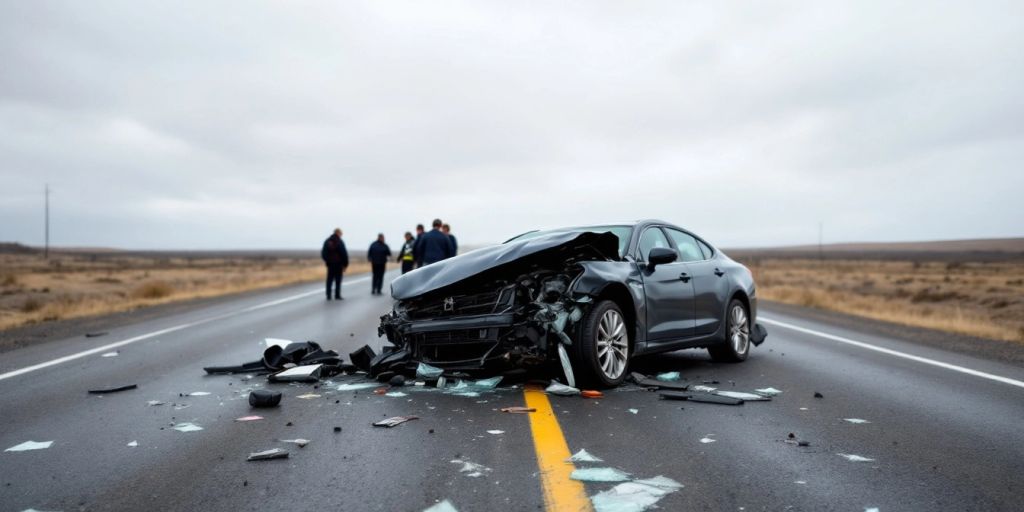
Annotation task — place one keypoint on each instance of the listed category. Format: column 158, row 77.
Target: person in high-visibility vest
column 405, row 256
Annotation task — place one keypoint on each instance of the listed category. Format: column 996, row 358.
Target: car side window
column 686, row 245
column 651, row 238
column 706, row 249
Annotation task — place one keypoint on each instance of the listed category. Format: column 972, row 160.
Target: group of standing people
column 425, row 248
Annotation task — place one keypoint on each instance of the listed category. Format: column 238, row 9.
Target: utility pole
column 46, row 247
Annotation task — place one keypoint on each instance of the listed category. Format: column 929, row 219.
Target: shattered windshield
column 622, row 232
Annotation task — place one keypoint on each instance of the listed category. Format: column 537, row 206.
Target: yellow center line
column 561, row 493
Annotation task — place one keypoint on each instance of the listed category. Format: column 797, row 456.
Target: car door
column 668, row 292
column 710, row 287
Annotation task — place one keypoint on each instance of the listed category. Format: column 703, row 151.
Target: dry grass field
column 77, row 284
column 977, row 298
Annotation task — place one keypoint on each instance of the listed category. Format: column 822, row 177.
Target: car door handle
column 719, row 273
column 684, row 277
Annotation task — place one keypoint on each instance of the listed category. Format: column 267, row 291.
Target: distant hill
column 983, row 249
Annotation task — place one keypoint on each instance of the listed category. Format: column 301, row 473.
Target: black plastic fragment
column 112, row 390
column 95, row 334
column 254, row 366
column 361, row 358
column 392, row 361
column 264, row 398
column 397, row 381
column 758, row 334
column 385, row 376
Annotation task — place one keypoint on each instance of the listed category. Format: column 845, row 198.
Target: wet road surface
column 940, row 437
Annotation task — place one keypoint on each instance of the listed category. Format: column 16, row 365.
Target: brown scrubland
column 74, row 284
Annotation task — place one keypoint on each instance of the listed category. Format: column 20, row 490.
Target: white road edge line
column 904, row 355
column 148, row 335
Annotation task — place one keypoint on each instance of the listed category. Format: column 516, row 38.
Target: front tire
column 736, row 346
column 601, row 354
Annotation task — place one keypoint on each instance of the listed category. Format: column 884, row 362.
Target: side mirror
column 661, row 256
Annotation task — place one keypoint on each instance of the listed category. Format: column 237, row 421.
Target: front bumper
column 458, row 343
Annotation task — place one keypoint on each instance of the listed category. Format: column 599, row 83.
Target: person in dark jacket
column 405, row 256
column 446, row 229
column 435, row 245
column 417, row 249
column 335, row 256
column 378, row 254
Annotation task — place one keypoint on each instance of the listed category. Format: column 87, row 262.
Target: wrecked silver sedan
column 588, row 299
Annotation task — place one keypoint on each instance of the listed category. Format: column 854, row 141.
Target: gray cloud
column 230, row 125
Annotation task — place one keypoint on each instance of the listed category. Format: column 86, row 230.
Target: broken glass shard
column 426, row 372
column 583, row 456
column 495, row 432
column 356, row 386
column 490, row 383
column 599, row 475
column 566, row 366
column 706, row 440
column 629, row 497
column 110, row 354
column 396, row 394
column 273, row 453
column 299, row 442
column 854, row 458
column 249, row 418
column 187, row 427
column 308, row 396
column 768, row 391
column 29, row 445
column 749, row 397
column 305, row 373
column 397, row 420
column 856, row 421
column 444, row 506
column 633, row 411
column 154, row 402
column 471, row 469
column 659, row 481
column 668, row 376
column 199, row 393
column 133, row 444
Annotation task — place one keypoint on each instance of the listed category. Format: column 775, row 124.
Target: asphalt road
column 941, row 437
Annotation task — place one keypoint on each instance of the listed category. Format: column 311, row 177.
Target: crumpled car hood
column 450, row 271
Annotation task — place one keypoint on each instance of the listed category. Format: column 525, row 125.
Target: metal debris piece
column 249, row 418
column 702, row 388
column 397, row 420
column 308, row 396
column 746, row 397
column 199, row 393
column 426, row 372
column 854, row 458
column 566, row 366
column 444, row 506
column 633, row 411
column 707, row 439
column 699, row 397
column 668, row 376
column 264, row 398
column 856, row 421
column 642, row 380
column 112, row 390
column 599, row 475
column 187, row 427
column 301, row 443
column 154, row 403
column 557, row 388
column 133, row 444
column 495, row 432
column 583, row 456
column 29, row 445
column 768, row 391
column 273, row 453
column 518, row 409
column 305, row 373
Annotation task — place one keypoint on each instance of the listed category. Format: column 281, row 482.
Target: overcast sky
column 250, row 125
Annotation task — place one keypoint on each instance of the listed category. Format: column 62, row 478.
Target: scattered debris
column 337, row 429
column 856, row 421
column 472, row 469
column 308, row 396
column 583, row 456
column 557, row 388
column 707, row 440
column 154, row 403
column 306, row 373
column 301, row 443
column 273, row 453
column 356, row 386
column 634, row 496
column 30, row 445
column 668, row 376
column 518, row 409
column 642, row 380
column 768, row 391
column 391, row 422
column 280, row 353
column 426, row 372
column 133, row 444
column 566, row 366
column 444, row 506
column 199, row 393
column 633, row 411
column 818, row 395
column 699, row 397
column 746, row 397
column 264, row 398
column 854, row 458
column 96, row 334
column 397, row 381
column 396, row 394
column 249, row 418
column 187, row 427
column 599, row 475
column 112, row 390
column 495, row 432
column 590, row 393
column 110, row 354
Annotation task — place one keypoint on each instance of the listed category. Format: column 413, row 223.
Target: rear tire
column 600, row 357
column 736, row 346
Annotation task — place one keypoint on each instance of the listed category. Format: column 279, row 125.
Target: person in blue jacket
column 378, row 254
column 335, row 256
column 417, row 247
column 446, row 229
column 435, row 245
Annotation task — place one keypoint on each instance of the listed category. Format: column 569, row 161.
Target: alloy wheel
column 739, row 329
column 612, row 344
